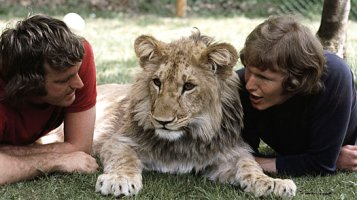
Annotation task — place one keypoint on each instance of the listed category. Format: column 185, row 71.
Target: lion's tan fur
column 181, row 114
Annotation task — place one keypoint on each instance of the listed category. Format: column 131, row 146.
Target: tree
column 333, row 28
column 181, row 8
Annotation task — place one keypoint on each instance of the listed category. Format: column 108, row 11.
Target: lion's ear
column 148, row 50
column 221, row 58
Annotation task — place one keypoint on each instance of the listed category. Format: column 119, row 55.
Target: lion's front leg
column 122, row 168
column 251, row 178
column 241, row 169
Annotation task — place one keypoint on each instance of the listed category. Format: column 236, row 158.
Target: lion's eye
column 157, row 82
column 188, row 86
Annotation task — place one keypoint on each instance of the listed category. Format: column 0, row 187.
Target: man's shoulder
column 337, row 68
column 2, row 99
column 240, row 73
column 336, row 64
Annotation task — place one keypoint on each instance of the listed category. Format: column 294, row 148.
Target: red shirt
column 24, row 124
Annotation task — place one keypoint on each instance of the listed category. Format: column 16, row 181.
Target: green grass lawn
column 169, row 186
column 112, row 38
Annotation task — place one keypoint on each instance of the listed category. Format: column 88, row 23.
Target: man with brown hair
column 298, row 99
column 47, row 77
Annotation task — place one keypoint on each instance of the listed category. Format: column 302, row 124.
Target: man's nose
column 251, row 83
column 77, row 82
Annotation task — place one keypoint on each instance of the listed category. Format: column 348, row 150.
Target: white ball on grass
column 74, row 21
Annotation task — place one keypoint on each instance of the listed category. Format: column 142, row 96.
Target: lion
column 182, row 114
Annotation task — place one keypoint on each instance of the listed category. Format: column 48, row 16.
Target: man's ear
column 221, row 58
column 148, row 50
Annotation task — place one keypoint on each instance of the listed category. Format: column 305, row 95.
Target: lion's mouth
column 168, row 134
column 172, row 125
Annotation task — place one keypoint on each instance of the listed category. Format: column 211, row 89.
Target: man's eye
column 62, row 81
column 263, row 77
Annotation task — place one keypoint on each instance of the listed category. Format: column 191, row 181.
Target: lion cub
column 182, row 114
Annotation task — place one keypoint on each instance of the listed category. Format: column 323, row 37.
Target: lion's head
column 186, row 86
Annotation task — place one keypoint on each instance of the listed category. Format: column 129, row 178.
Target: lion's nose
column 162, row 122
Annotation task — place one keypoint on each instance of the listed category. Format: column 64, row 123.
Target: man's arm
column 78, row 136
column 267, row 164
column 15, row 168
column 21, row 163
column 79, row 128
column 347, row 159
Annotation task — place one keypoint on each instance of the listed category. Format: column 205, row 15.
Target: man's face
column 265, row 87
column 61, row 86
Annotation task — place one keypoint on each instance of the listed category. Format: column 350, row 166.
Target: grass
column 112, row 36
column 169, row 186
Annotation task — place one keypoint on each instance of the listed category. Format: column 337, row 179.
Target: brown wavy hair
column 282, row 43
column 25, row 48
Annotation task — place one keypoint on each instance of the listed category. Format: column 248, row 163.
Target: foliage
column 207, row 8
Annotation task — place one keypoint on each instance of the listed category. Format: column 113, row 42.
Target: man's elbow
column 325, row 169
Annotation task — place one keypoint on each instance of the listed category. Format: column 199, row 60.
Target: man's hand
column 76, row 162
column 267, row 164
column 347, row 160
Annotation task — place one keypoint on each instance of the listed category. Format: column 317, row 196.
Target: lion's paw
column 259, row 186
column 263, row 186
column 284, row 188
column 118, row 185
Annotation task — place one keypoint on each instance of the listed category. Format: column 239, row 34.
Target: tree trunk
column 181, row 8
column 333, row 28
